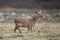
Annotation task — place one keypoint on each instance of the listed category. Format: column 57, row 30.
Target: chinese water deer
column 26, row 22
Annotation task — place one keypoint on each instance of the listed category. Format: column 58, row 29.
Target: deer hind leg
column 17, row 28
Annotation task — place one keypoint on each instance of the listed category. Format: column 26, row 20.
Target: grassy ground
column 43, row 31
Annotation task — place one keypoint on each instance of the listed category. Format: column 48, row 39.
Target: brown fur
column 26, row 22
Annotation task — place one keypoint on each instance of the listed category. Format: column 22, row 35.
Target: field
column 43, row 31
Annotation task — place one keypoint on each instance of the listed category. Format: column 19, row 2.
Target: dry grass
column 43, row 31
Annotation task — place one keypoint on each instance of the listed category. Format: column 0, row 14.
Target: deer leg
column 18, row 29
column 15, row 29
column 29, row 28
column 33, row 29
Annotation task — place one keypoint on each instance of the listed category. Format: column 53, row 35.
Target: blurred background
column 47, row 28
column 9, row 9
column 50, row 4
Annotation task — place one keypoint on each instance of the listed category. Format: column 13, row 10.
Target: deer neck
column 35, row 18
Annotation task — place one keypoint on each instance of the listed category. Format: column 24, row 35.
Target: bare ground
column 43, row 31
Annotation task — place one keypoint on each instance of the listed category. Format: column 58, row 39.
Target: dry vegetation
column 43, row 31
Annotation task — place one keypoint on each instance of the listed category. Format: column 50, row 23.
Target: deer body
column 26, row 22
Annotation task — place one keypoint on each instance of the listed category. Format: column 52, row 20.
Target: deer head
column 38, row 13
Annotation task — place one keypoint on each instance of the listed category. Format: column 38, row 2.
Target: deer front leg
column 33, row 29
column 29, row 29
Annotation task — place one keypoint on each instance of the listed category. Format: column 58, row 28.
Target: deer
column 26, row 22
